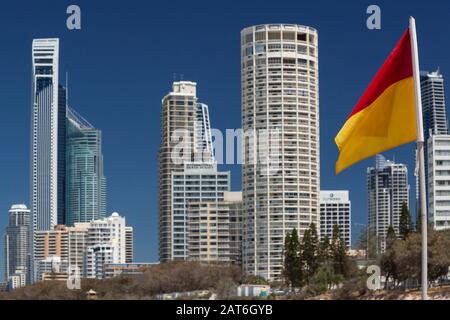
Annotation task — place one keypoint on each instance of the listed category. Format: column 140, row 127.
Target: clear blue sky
column 122, row 63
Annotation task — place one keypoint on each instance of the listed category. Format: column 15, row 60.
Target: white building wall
column 439, row 181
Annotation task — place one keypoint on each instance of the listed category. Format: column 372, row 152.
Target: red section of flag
column 398, row 66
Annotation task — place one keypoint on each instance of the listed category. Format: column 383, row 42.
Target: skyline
column 139, row 203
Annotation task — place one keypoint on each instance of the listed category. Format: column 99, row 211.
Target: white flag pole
column 421, row 157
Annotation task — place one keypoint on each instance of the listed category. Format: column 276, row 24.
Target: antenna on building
column 181, row 77
column 174, row 77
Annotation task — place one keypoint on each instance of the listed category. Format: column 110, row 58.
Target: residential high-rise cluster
column 67, row 184
column 200, row 219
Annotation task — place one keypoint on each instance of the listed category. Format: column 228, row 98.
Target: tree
column 406, row 224
column 387, row 260
column 324, row 251
column 341, row 262
column 403, row 261
column 309, row 252
column 390, row 237
column 292, row 260
column 324, row 279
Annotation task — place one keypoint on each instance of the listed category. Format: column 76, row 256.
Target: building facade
column 388, row 190
column 109, row 241
column 17, row 253
column 434, row 115
column 85, row 181
column 198, row 182
column 280, row 93
column 185, row 137
column 214, row 230
column 439, row 181
column 129, row 245
column 97, row 258
column 17, row 279
column 433, row 104
column 335, row 209
column 47, row 163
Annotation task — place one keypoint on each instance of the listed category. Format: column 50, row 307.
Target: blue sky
column 123, row 62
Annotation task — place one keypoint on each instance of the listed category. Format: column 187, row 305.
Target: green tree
column 341, row 262
column 390, row 237
column 406, row 225
column 292, row 272
column 309, row 248
column 324, row 251
column 387, row 259
column 324, row 279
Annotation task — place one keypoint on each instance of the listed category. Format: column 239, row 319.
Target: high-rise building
column 45, row 134
column 185, row 127
column 214, row 229
column 47, row 163
column 280, row 93
column 434, row 116
column 335, row 209
column 17, row 242
column 198, row 182
column 439, row 181
column 433, row 104
column 85, row 182
column 388, row 190
column 129, row 245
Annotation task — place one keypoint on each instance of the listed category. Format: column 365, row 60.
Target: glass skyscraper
column 85, row 182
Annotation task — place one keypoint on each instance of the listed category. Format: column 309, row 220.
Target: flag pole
column 421, row 157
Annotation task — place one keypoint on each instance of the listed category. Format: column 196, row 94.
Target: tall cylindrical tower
column 280, row 96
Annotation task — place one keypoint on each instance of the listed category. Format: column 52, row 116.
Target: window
column 260, row 48
column 274, row 35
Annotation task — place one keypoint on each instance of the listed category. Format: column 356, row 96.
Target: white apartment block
column 215, row 230
column 335, row 209
column 388, row 190
column 97, row 258
column 17, row 279
column 112, row 231
column 439, row 181
column 198, row 182
column 280, row 91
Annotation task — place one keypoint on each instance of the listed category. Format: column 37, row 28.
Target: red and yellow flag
column 385, row 116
